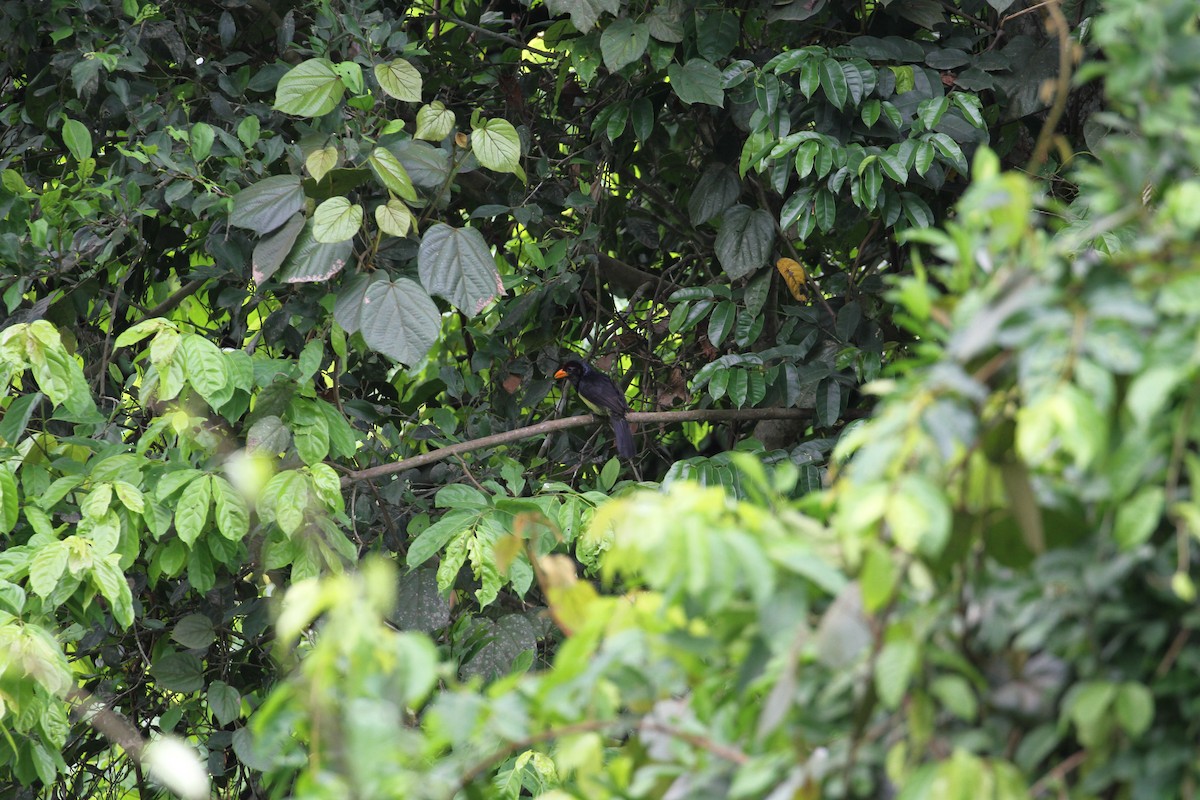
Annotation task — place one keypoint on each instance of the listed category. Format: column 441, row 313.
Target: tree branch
column 549, row 426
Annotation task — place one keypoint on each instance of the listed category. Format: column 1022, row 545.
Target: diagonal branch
column 549, row 426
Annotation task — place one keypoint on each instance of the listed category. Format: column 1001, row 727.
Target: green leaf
column 9, row 502
column 78, row 139
column 455, row 263
column 391, row 173
column 745, row 240
column 824, row 209
column 201, row 140
column 47, row 567
column 272, row 251
column 266, row 205
column 721, row 322
column 191, row 513
column 584, row 13
column 310, row 260
column 497, row 146
column 336, row 220
column 923, row 157
column 248, row 131
column 178, row 672
column 320, row 161
column 716, row 190
column 434, row 122
column 894, row 669
column 833, row 82
column 1138, row 516
column 623, row 42
column 399, row 79
column 954, row 692
column 399, row 319
column 20, row 411
column 430, row 541
column 224, row 702
column 233, row 517
column 931, row 110
column 394, row 218
column 205, row 369
column 110, row 580
column 950, row 151
column 194, row 631
column 1135, row 708
column 287, row 495
column 717, row 34
column 697, row 81
column 310, row 89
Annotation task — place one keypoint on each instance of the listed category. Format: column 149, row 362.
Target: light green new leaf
column 497, row 146
column 434, row 122
column 399, row 79
column 336, row 220
column 46, row 567
column 391, row 173
column 319, row 162
column 455, row 263
column 394, row 218
column 310, row 89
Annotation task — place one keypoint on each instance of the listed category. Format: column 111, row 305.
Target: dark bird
column 603, row 397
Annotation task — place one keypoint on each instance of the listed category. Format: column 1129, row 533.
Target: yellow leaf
column 793, row 276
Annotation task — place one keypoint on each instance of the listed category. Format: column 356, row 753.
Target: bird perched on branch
column 603, row 397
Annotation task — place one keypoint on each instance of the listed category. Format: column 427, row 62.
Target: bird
column 603, row 397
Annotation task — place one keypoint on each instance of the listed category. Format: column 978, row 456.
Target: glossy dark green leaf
column 833, row 83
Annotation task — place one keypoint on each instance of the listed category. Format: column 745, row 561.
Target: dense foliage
column 262, row 263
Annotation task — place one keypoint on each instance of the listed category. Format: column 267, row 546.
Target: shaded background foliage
column 761, row 205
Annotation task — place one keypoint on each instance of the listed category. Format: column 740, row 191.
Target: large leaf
column 311, row 260
column 623, row 42
column 428, row 166
column 267, row 204
column 697, row 81
column 310, row 89
column 716, row 190
column 584, row 13
column 399, row 79
column 399, row 319
column 497, row 146
column 270, row 252
column 455, row 263
column 745, row 240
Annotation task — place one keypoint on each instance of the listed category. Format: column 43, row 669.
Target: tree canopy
column 904, row 297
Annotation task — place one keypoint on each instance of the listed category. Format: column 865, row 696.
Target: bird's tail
column 624, row 437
